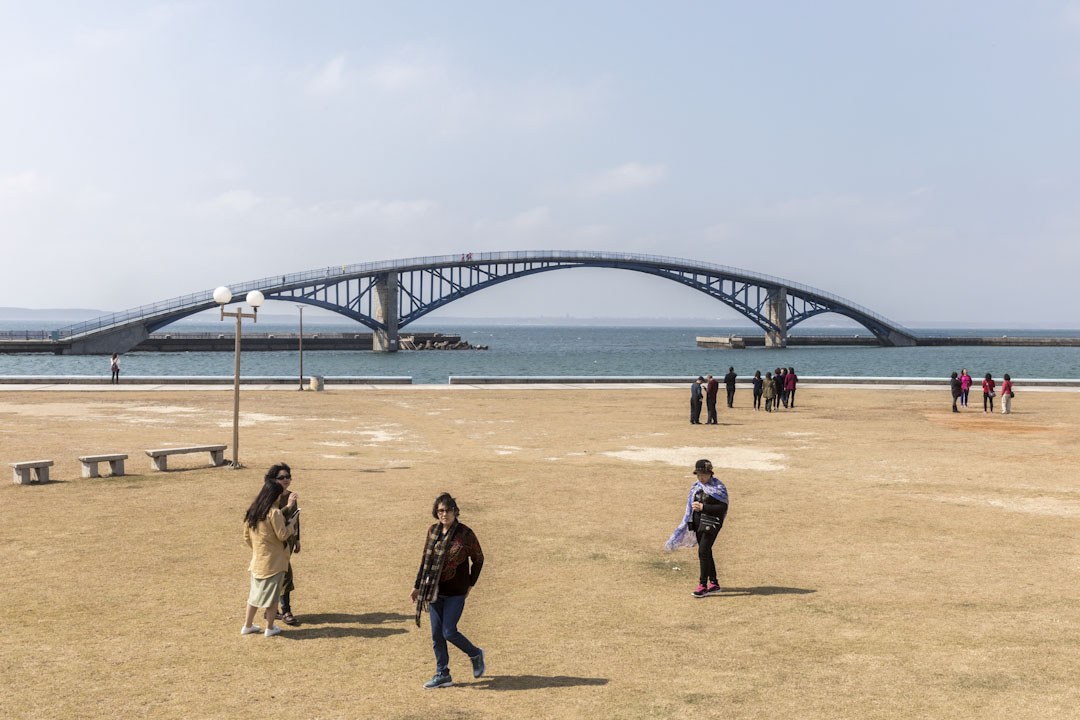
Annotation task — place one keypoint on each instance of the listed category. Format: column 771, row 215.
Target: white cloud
column 330, row 79
column 624, row 178
column 20, row 184
column 534, row 218
column 409, row 69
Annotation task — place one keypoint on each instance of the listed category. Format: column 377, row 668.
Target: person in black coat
column 695, row 401
column 954, row 385
column 729, row 384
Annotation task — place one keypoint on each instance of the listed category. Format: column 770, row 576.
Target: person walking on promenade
column 778, row 381
column 758, row 387
column 706, row 508
column 114, row 367
column 1006, row 394
column 266, row 532
column 988, row 393
column 443, row 582
column 955, row 387
column 790, row 381
column 695, row 401
column 729, row 385
column 769, row 390
column 710, row 400
column 282, row 475
column 965, row 387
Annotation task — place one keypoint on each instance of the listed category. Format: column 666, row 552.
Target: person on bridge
column 965, row 387
column 695, row 401
column 114, row 366
column 729, row 385
column 710, row 400
column 988, row 393
column 957, row 390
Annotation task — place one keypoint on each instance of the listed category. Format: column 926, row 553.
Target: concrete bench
column 159, row 458
column 90, row 464
column 22, row 471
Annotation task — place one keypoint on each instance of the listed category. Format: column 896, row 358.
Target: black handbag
column 703, row 522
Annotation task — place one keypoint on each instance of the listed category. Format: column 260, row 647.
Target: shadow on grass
column 372, row 618
column 762, row 590
column 533, row 682
column 334, row 631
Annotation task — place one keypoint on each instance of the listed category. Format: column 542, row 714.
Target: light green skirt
column 265, row 591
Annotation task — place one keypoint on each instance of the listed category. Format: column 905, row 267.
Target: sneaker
column 440, row 680
column 248, row 630
column 713, row 588
column 700, row 592
column 271, row 632
column 478, row 666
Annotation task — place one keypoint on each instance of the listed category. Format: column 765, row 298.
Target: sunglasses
column 284, row 477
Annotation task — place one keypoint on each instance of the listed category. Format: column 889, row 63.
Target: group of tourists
column 960, row 385
column 449, row 566
column 776, row 388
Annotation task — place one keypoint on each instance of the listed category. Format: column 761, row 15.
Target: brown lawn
column 883, row 557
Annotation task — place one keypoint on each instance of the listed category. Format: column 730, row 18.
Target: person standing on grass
column 282, row 475
column 706, row 508
column 710, row 400
column 442, row 584
column 769, row 390
column 695, row 401
column 790, row 381
column 957, row 390
column 758, row 387
column 1006, row 394
column 114, row 367
column 965, row 387
column 729, row 385
column 266, row 532
column 988, row 393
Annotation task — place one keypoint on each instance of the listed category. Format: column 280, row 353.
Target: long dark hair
column 271, row 474
column 265, row 500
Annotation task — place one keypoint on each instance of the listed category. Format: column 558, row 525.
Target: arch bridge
column 388, row 295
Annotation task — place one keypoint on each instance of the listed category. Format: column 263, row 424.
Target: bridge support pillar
column 385, row 311
column 778, row 317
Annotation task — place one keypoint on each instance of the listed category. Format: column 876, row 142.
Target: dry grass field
column 883, row 557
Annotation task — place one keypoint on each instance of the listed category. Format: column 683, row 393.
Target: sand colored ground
column 883, row 557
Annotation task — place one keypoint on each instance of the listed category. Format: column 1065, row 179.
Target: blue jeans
column 445, row 613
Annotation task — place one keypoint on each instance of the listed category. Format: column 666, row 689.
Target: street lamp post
column 301, row 309
column 223, row 296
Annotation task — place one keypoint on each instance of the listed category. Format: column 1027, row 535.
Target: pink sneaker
column 700, row 592
column 712, row 589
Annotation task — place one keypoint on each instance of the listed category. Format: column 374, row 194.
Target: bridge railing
column 338, row 272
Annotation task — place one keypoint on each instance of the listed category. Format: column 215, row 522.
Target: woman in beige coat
column 266, row 531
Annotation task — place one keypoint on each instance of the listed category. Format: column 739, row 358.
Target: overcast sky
column 918, row 158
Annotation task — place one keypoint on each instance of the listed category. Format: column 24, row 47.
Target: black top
column 758, row 384
column 729, row 379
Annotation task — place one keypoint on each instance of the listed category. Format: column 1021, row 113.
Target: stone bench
column 159, row 458
column 90, row 464
column 22, row 471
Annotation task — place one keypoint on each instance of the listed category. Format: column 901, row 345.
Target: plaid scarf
column 434, row 558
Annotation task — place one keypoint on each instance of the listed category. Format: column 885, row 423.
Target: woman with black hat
column 706, row 508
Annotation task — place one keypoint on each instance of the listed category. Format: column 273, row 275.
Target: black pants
column 286, row 607
column 730, row 395
column 988, row 398
column 706, row 565
column 954, row 399
column 757, row 401
column 791, row 397
column 710, row 407
column 695, row 411
column 116, row 377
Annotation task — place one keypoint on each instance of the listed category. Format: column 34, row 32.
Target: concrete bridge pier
column 385, row 311
column 778, row 317
column 118, row 341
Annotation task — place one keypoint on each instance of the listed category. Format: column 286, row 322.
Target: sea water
column 579, row 350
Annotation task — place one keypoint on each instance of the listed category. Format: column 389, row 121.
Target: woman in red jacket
column 988, row 393
column 790, row 380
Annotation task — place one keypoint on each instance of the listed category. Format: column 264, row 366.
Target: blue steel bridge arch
column 388, row 295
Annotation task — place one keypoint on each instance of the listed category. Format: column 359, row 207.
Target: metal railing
column 337, row 273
